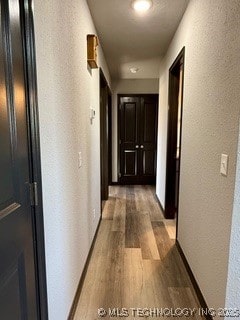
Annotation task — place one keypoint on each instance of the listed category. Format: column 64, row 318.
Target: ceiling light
column 134, row 70
column 141, row 5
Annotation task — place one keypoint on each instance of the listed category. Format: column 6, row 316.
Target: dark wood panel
column 14, row 291
column 130, row 161
column 148, row 137
column 28, row 38
column 7, row 130
column 129, row 110
column 149, row 120
column 148, row 162
column 137, row 122
column 10, row 296
column 18, row 267
column 6, row 161
column 130, row 114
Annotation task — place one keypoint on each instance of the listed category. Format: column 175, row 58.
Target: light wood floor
column 135, row 263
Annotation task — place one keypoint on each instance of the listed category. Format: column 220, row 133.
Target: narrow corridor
column 134, row 263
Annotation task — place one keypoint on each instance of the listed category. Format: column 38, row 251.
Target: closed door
column 17, row 263
column 138, row 138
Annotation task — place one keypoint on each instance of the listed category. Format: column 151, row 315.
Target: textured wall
column 210, row 32
column 123, row 86
column 66, row 91
column 233, row 287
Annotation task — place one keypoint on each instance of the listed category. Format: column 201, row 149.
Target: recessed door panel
column 6, row 161
column 148, row 163
column 130, row 117
column 149, row 120
column 130, row 163
column 13, row 291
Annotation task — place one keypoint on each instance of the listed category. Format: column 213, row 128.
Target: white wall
column 127, row 86
column 210, row 32
column 66, row 91
column 233, row 287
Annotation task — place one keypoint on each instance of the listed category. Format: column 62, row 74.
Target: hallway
column 134, row 263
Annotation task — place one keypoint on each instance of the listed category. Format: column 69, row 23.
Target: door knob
column 141, row 146
column 137, row 146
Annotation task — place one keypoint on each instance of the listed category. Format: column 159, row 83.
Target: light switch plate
column 92, row 113
column 224, row 164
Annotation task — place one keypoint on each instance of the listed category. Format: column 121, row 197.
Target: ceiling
column 133, row 40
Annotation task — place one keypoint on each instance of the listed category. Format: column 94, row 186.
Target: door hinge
column 33, row 194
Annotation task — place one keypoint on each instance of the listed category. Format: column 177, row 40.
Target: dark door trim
column 105, row 96
column 171, row 185
column 34, row 149
column 109, row 137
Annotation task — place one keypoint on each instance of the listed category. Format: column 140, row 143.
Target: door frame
column 104, row 115
column 119, row 96
column 109, row 137
column 34, row 154
column 171, row 143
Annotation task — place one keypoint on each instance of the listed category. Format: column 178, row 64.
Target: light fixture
column 134, row 70
column 141, row 5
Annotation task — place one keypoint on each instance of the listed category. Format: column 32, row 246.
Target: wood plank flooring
column 135, row 263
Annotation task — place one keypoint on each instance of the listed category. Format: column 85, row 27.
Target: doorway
column 176, row 82
column 105, row 136
column 22, row 268
column 137, row 123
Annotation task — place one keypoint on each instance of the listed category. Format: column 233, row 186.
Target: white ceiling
column 132, row 40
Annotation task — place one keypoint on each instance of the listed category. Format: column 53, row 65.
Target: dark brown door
column 138, row 138
column 17, row 263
